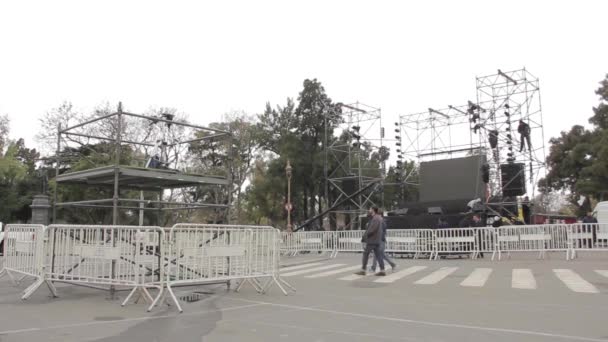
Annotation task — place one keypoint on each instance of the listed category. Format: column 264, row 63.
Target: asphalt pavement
column 519, row 299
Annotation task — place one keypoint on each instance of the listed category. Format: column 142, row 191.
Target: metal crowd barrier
column 143, row 258
column 349, row 241
column 455, row 241
column 410, row 241
column 587, row 237
column 24, row 255
column 536, row 238
column 203, row 254
column 114, row 256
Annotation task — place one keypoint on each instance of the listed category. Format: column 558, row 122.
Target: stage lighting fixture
column 398, row 144
column 397, row 137
column 356, row 128
column 400, row 156
column 396, row 124
column 356, row 136
column 397, row 131
column 507, row 105
column 398, row 151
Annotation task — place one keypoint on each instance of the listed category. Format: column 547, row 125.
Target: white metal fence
column 24, row 255
column 473, row 242
column 141, row 259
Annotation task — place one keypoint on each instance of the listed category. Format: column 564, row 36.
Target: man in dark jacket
column 372, row 239
column 383, row 247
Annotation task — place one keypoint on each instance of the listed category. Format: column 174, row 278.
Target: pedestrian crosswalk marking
column 522, row 278
column 357, row 277
column 332, row 272
column 477, row 278
column 574, row 281
column 436, row 276
column 401, row 274
column 311, row 270
column 602, row 273
column 293, row 268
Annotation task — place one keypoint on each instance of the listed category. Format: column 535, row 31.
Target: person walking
column 382, row 247
column 372, row 238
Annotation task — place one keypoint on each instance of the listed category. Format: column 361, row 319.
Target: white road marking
column 602, row 273
column 338, row 271
column 574, row 281
column 522, row 278
column 477, row 278
column 436, row 276
column 357, row 277
column 299, row 267
column 311, row 270
column 398, row 275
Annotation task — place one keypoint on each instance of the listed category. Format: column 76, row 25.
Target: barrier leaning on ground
column 140, row 259
column 433, row 243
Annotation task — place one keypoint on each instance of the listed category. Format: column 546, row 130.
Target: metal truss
column 505, row 98
column 347, row 158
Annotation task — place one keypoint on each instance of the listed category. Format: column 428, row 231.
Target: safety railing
column 536, row 238
column 202, row 254
column 587, row 237
column 455, row 241
column 113, row 256
column 24, row 255
column 415, row 242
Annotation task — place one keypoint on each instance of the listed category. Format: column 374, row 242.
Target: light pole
column 288, row 170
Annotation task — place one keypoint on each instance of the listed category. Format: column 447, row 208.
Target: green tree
column 578, row 159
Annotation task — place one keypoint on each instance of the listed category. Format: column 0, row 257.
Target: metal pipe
column 56, row 173
column 88, row 122
column 106, row 200
column 108, row 139
column 197, row 207
column 199, row 139
column 177, row 123
column 168, row 203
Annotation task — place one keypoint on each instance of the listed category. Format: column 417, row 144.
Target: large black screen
column 452, row 179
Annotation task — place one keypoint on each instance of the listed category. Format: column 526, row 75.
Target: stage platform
column 138, row 178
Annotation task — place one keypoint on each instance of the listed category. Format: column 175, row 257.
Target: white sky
column 208, row 59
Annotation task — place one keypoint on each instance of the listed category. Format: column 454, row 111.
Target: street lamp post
column 288, row 170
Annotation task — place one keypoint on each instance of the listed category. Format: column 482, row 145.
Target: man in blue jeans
column 372, row 238
column 382, row 248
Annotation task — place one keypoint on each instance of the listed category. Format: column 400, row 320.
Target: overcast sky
column 208, row 59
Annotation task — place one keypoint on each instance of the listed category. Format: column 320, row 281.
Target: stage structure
column 435, row 134
column 349, row 166
column 157, row 146
column 509, row 120
column 503, row 127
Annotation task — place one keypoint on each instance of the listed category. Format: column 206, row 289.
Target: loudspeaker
column 349, row 186
column 513, row 179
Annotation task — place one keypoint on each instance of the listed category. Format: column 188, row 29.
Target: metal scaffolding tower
column 510, row 125
column 348, row 160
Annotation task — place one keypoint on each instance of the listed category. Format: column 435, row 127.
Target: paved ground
column 521, row 299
